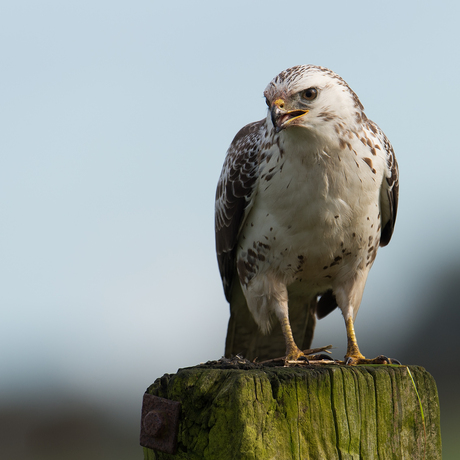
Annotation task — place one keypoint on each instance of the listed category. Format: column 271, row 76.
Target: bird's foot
column 360, row 359
column 294, row 354
column 302, row 358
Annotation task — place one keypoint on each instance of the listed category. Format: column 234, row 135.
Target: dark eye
column 310, row 94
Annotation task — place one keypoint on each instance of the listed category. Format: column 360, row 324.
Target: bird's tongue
column 290, row 115
column 284, row 118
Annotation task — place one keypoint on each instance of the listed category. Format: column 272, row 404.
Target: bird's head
column 311, row 97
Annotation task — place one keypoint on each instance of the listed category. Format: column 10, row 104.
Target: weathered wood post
column 245, row 411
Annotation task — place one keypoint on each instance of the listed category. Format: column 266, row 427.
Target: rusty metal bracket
column 159, row 423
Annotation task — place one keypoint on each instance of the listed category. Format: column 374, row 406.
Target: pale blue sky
column 115, row 118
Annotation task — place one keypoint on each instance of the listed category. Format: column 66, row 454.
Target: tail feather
column 245, row 338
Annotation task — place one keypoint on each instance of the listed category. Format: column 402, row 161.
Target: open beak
column 282, row 118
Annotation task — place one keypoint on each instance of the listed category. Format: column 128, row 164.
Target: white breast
column 315, row 216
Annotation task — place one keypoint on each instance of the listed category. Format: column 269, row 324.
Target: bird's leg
column 353, row 355
column 293, row 352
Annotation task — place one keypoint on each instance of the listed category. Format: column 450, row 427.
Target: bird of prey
column 305, row 198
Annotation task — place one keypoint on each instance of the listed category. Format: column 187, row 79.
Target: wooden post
column 319, row 412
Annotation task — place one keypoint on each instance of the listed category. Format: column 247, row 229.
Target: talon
column 381, row 359
column 293, row 356
column 296, row 355
column 385, row 360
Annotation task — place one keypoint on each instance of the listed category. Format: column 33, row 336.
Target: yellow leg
column 292, row 350
column 352, row 344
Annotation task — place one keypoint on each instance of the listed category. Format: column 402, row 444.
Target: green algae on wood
column 321, row 412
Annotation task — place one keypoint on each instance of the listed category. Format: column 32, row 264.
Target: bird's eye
column 310, row 94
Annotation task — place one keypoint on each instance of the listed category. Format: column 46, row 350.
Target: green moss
column 330, row 412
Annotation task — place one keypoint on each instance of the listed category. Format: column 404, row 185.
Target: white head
column 311, row 97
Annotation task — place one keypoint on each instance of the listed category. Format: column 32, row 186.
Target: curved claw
column 381, row 359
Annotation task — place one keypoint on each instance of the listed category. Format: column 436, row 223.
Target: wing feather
column 389, row 191
column 234, row 196
column 389, row 195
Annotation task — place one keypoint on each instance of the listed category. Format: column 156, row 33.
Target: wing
column 389, row 194
column 234, row 196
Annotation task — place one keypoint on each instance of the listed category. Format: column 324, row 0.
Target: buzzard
column 305, row 198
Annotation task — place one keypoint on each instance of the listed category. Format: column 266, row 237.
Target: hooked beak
column 282, row 118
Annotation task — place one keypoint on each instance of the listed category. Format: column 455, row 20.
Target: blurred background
column 115, row 119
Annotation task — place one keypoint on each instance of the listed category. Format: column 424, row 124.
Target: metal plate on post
column 159, row 423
